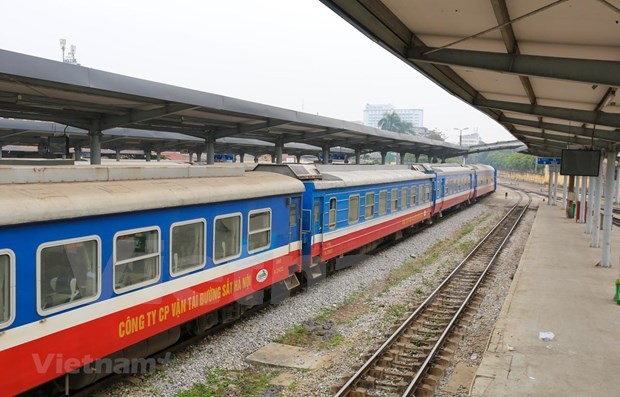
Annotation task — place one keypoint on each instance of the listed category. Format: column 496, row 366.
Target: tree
column 390, row 122
column 434, row 134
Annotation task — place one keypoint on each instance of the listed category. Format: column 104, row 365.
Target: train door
column 294, row 208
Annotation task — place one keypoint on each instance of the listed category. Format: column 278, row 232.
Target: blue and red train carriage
column 118, row 262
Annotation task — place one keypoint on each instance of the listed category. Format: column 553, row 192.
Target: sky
column 295, row 54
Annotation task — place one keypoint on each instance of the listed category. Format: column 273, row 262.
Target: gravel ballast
column 227, row 350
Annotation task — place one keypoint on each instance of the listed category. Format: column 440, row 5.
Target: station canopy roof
column 33, row 88
column 546, row 70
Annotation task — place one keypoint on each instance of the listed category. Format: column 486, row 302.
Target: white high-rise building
column 374, row 113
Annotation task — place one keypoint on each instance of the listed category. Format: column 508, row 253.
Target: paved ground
column 557, row 288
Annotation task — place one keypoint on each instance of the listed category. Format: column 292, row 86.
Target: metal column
column 77, row 153
column 383, row 154
column 607, row 216
column 158, row 155
column 95, row 143
column 325, row 154
column 117, row 154
column 358, row 156
column 402, row 158
column 241, row 157
column 617, row 197
column 147, row 154
column 577, row 193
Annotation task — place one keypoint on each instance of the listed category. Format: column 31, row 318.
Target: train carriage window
column 136, row 258
column 292, row 214
column 7, row 288
column 369, row 204
column 317, row 212
column 403, row 198
column 332, row 213
column 394, row 200
column 226, row 237
column 354, row 208
column 414, row 195
column 382, row 202
column 69, row 273
column 259, row 230
column 187, row 246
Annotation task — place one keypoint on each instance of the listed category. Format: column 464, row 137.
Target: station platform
column 556, row 288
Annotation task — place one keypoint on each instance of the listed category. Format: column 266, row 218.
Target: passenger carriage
column 112, row 261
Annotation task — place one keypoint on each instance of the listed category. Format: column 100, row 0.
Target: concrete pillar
column 279, row 146
column 564, row 191
column 570, row 197
column 256, row 158
column 147, row 154
column 118, row 154
column 0, row 152
column 158, row 155
column 95, row 143
column 607, row 216
column 417, row 157
column 617, row 200
column 241, row 157
column 358, row 156
column 326, row 154
column 298, row 158
column 77, row 153
column 577, row 193
column 596, row 206
column 584, row 202
column 210, row 147
column 443, row 160
column 555, row 188
column 273, row 159
column 549, row 185
column 402, row 158
column 590, row 211
column 383, row 154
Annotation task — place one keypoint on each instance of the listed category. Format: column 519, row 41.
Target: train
column 104, row 264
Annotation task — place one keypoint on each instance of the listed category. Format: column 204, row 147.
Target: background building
column 374, row 113
column 471, row 139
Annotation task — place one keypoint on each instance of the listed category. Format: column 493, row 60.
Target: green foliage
column 393, row 122
column 222, row 383
column 507, row 160
column 295, row 336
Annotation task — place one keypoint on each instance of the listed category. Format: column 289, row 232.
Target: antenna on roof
column 69, row 58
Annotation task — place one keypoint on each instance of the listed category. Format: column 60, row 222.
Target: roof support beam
column 309, row 136
column 572, row 69
column 143, row 115
column 582, row 116
column 502, row 17
column 573, row 130
column 244, row 129
column 563, row 139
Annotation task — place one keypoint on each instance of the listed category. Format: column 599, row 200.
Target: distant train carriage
column 486, row 179
column 114, row 267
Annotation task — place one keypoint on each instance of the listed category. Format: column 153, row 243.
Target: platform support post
column 210, row 146
column 77, row 153
column 617, row 200
column 596, row 207
column 584, row 200
column 279, row 146
column 241, row 156
column 147, row 154
column 577, row 194
column 590, row 210
column 402, row 158
column 358, row 156
column 383, row 155
column 555, row 187
column 158, row 152
column 256, row 156
column 564, row 191
column 607, row 216
column 95, row 143
column 549, row 186
column 325, row 154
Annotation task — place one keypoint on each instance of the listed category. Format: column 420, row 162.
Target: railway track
column 411, row 360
